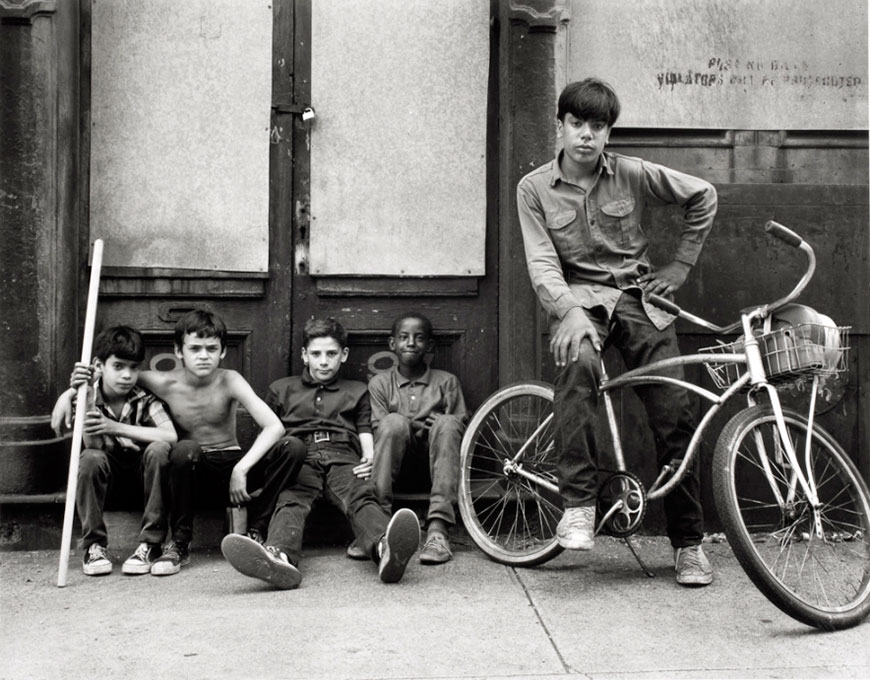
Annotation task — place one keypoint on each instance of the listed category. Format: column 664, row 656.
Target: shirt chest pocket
column 563, row 229
column 619, row 221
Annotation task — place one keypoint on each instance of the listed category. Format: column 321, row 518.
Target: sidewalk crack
column 546, row 628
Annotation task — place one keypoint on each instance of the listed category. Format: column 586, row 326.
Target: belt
column 320, row 436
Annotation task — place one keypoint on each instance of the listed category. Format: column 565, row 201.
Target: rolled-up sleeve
column 696, row 196
column 545, row 268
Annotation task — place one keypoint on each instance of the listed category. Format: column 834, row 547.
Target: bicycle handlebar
column 785, row 235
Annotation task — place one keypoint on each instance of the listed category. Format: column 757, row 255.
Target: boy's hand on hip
column 364, row 469
column 665, row 280
column 239, row 487
column 572, row 330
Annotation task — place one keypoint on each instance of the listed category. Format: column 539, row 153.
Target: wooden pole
column 79, row 424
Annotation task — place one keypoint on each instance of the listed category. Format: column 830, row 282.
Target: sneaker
column 141, row 560
column 264, row 562
column 692, row 566
column 436, row 549
column 255, row 535
column 96, row 561
column 355, row 552
column 398, row 545
column 175, row 556
column 576, row 529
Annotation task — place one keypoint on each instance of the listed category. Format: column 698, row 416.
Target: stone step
column 39, row 526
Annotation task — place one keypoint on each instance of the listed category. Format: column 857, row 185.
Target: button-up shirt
column 435, row 391
column 584, row 247
column 306, row 406
column 140, row 409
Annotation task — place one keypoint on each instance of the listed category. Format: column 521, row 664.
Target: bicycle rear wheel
column 820, row 580
column 510, row 503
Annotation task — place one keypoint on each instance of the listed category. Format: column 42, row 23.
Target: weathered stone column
column 38, row 241
column 530, row 39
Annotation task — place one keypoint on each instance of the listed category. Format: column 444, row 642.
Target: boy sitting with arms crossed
column 587, row 258
column 328, row 421
column 121, row 419
column 419, row 411
column 203, row 399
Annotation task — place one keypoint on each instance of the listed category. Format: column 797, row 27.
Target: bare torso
column 203, row 410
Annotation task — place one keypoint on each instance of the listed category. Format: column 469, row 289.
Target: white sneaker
column 692, row 566
column 576, row 529
column 96, row 561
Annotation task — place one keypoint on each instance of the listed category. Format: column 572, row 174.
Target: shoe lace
column 142, row 552
column 690, row 559
column 435, row 541
column 580, row 518
column 96, row 552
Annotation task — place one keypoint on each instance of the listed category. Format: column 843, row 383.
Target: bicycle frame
column 754, row 377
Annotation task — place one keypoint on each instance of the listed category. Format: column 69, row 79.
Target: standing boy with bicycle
column 587, row 258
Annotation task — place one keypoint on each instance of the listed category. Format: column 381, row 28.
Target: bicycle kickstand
column 643, row 566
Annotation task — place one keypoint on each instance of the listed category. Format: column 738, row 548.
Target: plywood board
column 398, row 147
column 180, row 111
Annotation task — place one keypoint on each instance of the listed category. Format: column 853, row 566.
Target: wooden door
column 463, row 310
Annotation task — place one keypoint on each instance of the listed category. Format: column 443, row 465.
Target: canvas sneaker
column 692, row 566
column 436, row 549
column 576, row 529
column 398, row 545
column 95, row 561
column 355, row 552
column 264, row 562
column 141, row 560
column 175, row 556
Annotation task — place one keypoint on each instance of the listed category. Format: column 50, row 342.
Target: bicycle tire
column 824, row 581
column 510, row 518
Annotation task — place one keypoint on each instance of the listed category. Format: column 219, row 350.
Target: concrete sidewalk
column 593, row 615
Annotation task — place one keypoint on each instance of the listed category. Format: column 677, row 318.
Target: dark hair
column 324, row 328
column 589, row 99
column 202, row 323
column 427, row 325
column 122, row 341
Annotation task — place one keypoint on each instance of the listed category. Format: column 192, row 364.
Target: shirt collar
column 402, row 380
column 133, row 395
column 307, row 380
column 604, row 166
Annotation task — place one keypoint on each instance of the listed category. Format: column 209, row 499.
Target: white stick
column 79, row 425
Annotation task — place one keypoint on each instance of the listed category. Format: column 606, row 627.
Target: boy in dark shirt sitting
column 328, row 420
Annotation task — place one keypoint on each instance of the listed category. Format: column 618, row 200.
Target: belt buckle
column 321, row 437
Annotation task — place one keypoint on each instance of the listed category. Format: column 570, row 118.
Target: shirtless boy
column 202, row 399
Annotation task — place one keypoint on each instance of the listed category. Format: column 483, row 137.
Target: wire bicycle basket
column 789, row 354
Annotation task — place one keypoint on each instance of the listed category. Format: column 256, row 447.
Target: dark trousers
column 204, row 476
column 328, row 469
column 667, row 407
column 100, row 471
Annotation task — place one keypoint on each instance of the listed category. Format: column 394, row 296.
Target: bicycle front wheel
column 822, row 580
column 508, row 489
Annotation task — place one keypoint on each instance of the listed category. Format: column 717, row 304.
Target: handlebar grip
column 783, row 234
column 666, row 305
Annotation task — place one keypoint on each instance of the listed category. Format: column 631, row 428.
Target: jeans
column 394, row 438
column 667, row 407
column 328, row 469
column 99, row 470
column 195, row 473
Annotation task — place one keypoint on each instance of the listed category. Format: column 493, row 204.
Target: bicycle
column 795, row 509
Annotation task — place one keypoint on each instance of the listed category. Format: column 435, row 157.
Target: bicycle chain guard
column 625, row 489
